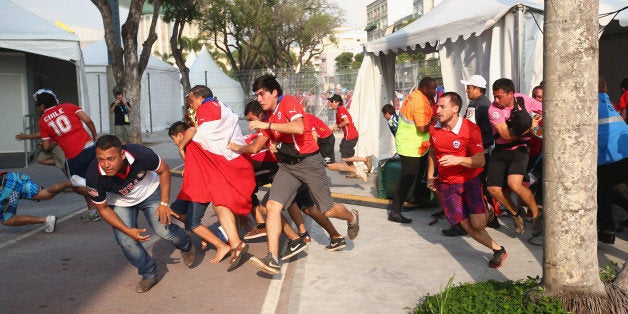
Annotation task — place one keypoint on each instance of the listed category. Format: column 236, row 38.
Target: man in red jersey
column 292, row 142
column 344, row 122
column 457, row 152
column 63, row 124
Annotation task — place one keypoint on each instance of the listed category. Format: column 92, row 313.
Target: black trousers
column 412, row 171
column 608, row 176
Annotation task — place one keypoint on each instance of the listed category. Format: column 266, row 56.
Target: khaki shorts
column 56, row 153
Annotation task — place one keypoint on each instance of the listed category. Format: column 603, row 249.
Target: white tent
column 34, row 54
column 161, row 99
column 494, row 38
column 204, row 71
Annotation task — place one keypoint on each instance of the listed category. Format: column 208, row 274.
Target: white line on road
column 274, row 290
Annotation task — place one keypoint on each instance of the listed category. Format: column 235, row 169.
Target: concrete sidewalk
column 79, row 268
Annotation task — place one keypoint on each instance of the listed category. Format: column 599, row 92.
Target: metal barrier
column 28, row 127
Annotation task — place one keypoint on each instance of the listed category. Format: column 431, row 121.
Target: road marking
column 273, row 293
column 40, row 228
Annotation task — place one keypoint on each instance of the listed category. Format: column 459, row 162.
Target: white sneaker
column 51, row 223
column 359, row 170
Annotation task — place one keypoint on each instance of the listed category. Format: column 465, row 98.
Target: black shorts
column 326, row 148
column 507, row 162
column 347, row 148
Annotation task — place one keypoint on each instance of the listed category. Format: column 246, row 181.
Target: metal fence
column 312, row 88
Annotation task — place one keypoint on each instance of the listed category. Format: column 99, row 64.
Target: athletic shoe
column 498, row 258
column 454, row 231
column 189, row 257
column 537, row 226
column 354, row 228
column 369, row 163
column 293, row 248
column 51, row 223
column 359, row 171
column 255, row 233
column 493, row 223
column 518, row 221
column 336, row 244
column 145, row 285
column 399, row 219
column 88, row 216
column 439, row 214
column 266, row 264
column 305, row 236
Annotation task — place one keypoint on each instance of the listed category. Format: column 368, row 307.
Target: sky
column 355, row 12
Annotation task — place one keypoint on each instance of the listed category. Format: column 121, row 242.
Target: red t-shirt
column 264, row 155
column 623, row 102
column 464, row 140
column 61, row 124
column 349, row 130
column 319, row 126
column 288, row 109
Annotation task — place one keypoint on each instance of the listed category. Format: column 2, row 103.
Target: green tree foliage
column 344, row 61
column 357, row 61
column 181, row 13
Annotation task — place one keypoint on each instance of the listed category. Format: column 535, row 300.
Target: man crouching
column 132, row 178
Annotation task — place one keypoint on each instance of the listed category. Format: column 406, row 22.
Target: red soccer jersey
column 264, row 155
column 209, row 111
column 319, row 126
column 288, row 109
column 464, row 140
column 61, row 124
column 349, row 130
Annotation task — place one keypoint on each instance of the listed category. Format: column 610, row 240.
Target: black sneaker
column 498, row 258
column 145, row 284
column 336, row 244
column 439, row 214
column 454, row 231
column 493, row 223
column 266, row 264
column 189, row 257
column 293, row 248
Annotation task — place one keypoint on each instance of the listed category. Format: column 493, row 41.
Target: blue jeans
column 193, row 211
column 134, row 250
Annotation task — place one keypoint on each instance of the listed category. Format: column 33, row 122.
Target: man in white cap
column 477, row 112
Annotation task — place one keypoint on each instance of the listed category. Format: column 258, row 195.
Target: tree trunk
column 570, row 263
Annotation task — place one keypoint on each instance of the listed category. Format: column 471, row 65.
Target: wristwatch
column 164, row 204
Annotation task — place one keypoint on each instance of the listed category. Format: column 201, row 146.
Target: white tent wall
column 162, row 100
column 98, row 97
column 205, row 71
column 493, row 38
column 374, row 137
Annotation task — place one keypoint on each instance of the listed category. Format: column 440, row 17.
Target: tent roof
column 215, row 76
column 96, row 55
column 454, row 18
column 22, row 30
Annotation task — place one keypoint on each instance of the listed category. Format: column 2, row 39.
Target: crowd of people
column 470, row 161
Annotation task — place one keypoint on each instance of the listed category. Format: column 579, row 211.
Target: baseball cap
column 476, row 80
column 335, row 97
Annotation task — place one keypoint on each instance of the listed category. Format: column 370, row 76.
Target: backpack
column 520, row 120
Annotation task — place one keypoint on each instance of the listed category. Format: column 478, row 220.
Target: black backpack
column 520, row 120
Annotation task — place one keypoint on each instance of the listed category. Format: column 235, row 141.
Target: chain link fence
column 313, row 88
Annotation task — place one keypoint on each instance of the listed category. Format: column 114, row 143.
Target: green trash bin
column 389, row 175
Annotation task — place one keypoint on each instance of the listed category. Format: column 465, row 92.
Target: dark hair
column 177, row 128
column 108, row 141
column 202, row 91
column 504, row 84
column 45, row 97
column 118, row 92
column 454, row 98
column 536, row 88
column 624, row 83
column 426, row 81
column 388, row 108
column 482, row 90
column 253, row 107
column 267, row 82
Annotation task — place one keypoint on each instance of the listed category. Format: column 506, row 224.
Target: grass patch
column 489, row 297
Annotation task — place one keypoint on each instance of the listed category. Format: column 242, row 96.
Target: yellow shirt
column 415, row 111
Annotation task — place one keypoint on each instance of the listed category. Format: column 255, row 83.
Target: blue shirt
column 612, row 135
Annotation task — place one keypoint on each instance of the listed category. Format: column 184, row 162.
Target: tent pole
column 150, row 105
column 520, row 33
column 99, row 105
